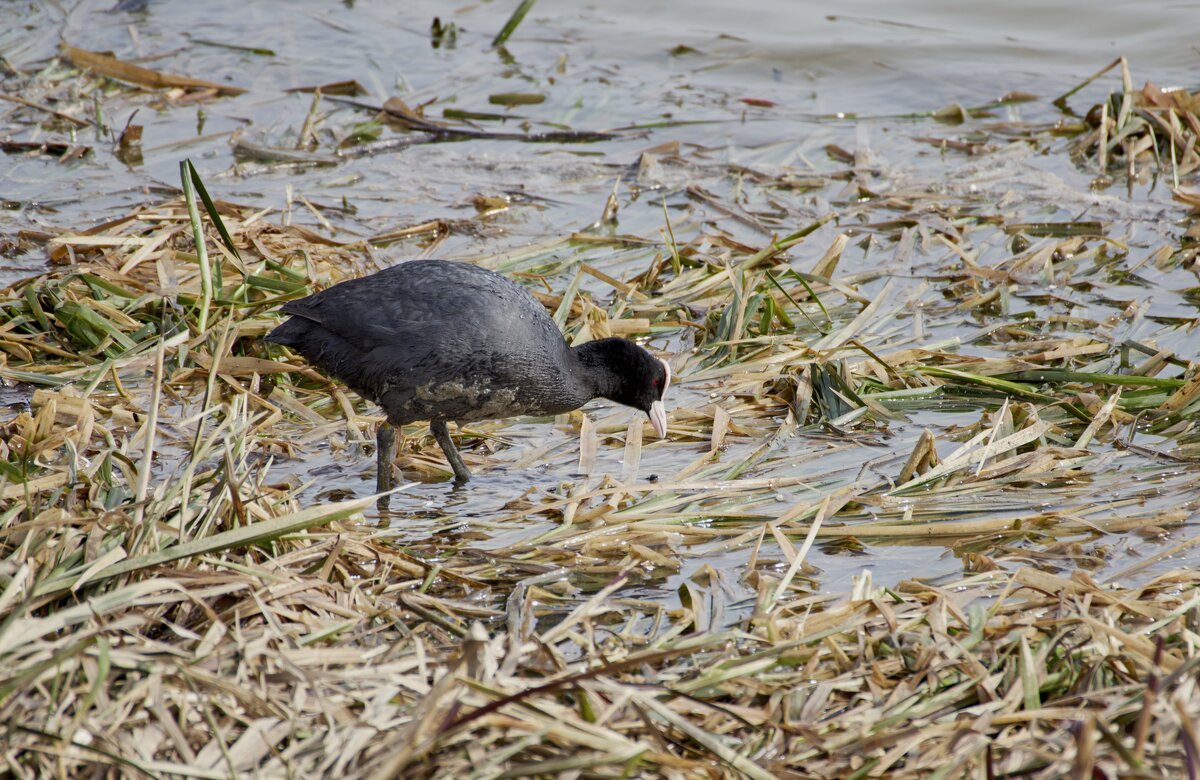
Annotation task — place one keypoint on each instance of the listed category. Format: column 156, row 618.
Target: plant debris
column 864, row 359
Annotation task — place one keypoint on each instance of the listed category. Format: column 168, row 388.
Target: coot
column 443, row 341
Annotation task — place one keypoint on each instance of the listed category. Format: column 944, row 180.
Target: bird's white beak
column 658, row 418
column 658, row 412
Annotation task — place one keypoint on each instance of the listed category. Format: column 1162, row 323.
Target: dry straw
column 168, row 608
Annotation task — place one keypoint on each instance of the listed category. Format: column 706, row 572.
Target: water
column 765, row 85
column 600, row 65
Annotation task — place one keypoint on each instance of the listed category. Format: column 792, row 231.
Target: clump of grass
column 1138, row 131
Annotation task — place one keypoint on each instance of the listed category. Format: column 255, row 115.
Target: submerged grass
column 171, row 606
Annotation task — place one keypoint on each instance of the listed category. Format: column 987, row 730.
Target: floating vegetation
column 111, row 67
column 866, row 360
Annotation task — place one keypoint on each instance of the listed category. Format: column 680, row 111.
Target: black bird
column 442, row 341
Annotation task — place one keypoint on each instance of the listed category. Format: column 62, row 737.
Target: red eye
column 657, row 382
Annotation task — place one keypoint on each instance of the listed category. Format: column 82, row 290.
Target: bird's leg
column 442, row 434
column 385, row 452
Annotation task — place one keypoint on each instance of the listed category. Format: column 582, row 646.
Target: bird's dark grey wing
column 410, row 325
column 372, row 311
column 415, row 301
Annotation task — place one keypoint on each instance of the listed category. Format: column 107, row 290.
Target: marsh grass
column 169, row 607
column 1138, row 132
column 514, row 21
